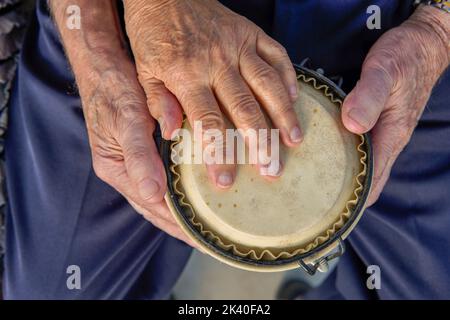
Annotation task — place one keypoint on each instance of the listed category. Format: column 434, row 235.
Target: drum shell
column 282, row 264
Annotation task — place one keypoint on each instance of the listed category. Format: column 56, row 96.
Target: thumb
column 364, row 104
column 163, row 106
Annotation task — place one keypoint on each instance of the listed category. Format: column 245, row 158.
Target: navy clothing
column 61, row 214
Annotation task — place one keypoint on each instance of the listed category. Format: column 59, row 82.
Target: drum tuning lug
column 338, row 80
column 321, row 263
column 305, row 63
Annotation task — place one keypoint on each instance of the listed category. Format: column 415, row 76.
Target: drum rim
column 165, row 151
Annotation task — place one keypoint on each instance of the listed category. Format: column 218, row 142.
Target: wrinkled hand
column 123, row 150
column 396, row 82
column 213, row 61
column 120, row 127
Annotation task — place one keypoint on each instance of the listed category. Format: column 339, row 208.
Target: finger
column 159, row 215
column 169, row 228
column 245, row 112
column 366, row 101
column 204, row 114
column 142, row 162
column 266, row 84
column 113, row 172
column 163, row 106
column 276, row 56
column 172, row 228
column 388, row 140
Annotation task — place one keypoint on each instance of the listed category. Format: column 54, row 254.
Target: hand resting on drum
column 396, row 81
column 119, row 125
column 217, row 64
column 203, row 59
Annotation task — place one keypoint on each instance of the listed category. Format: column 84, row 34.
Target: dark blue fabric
column 61, row 214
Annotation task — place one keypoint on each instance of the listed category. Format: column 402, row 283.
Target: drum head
column 314, row 198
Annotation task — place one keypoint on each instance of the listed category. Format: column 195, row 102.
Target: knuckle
column 225, row 75
column 289, row 71
column 209, row 123
column 247, row 111
column 210, row 119
column 131, row 118
column 285, row 110
column 245, row 108
column 194, row 94
column 136, row 155
column 184, row 80
column 134, row 131
column 385, row 63
column 128, row 111
column 156, row 93
column 277, row 49
column 174, row 76
column 264, row 76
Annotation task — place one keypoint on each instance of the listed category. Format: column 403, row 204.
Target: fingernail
column 293, row 92
column 225, row 180
column 162, row 125
column 359, row 116
column 273, row 169
column 148, row 188
column 296, row 135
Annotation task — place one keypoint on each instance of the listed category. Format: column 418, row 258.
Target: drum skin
column 269, row 226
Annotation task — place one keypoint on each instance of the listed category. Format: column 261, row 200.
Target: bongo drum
column 298, row 220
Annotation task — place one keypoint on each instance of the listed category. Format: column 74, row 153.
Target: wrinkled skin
column 120, row 131
column 119, row 125
column 213, row 57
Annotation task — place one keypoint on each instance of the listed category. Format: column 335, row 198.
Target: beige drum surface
column 305, row 206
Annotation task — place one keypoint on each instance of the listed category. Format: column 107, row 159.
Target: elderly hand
column 396, row 82
column 119, row 124
column 217, row 64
